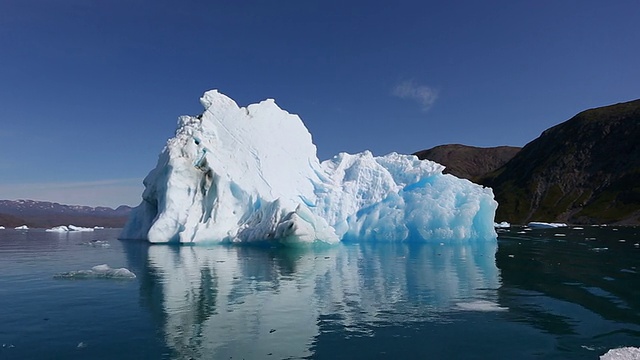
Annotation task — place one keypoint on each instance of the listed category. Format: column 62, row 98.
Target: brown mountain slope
column 469, row 162
column 585, row 170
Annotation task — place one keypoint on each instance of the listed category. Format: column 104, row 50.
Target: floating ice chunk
column 69, row 228
column 98, row 227
column 79, row 228
column 60, row 228
column 98, row 271
column 1, row 227
column 545, row 225
column 501, row 225
column 22, row 227
column 624, row 353
column 252, row 174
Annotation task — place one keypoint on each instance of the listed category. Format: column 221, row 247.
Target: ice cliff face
column 251, row 174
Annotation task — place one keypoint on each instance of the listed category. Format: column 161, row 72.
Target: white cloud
column 112, row 192
column 424, row 95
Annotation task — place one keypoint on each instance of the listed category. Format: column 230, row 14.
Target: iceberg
column 70, row 228
column 60, row 229
column 251, row 174
column 22, row 227
column 545, row 225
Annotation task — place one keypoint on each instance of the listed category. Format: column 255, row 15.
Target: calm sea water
column 537, row 294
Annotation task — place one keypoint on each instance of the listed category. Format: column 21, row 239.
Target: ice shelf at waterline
column 251, row 174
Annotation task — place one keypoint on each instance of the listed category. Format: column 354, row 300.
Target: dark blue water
column 536, row 294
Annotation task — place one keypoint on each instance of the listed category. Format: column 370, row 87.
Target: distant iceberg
column 545, row 225
column 252, row 174
column 501, row 225
column 22, row 227
column 69, row 228
column 1, row 227
column 61, row 228
column 98, row 271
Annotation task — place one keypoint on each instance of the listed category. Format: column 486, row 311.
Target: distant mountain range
column 585, row 170
column 43, row 214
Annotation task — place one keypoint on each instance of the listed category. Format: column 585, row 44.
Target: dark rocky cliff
column 583, row 171
column 469, row 162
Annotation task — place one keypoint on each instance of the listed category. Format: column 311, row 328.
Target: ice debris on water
column 99, row 271
column 97, row 243
column 501, row 225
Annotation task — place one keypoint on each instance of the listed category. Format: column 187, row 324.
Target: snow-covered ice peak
column 245, row 174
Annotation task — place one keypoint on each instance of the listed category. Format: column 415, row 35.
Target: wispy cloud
column 424, row 95
column 111, row 192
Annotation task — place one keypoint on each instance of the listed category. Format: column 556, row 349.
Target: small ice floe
column 578, row 228
column 590, row 239
column 1, row 227
column 559, row 234
column 598, row 249
column 99, row 271
column 98, row 227
column 480, row 305
column 545, row 225
column 22, row 227
column 624, row 353
column 69, row 228
column 82, row 345
column 501, row 225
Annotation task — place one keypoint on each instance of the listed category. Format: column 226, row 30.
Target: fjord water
column 558, row 293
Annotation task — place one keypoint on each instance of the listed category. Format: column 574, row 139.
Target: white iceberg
column 502, row 225
column 1, row 227
column 79, row 228
column 251, row 174
column 22, row 227
column 69, row 228
column 60, row 229
column 545, row 225
column 98, row 271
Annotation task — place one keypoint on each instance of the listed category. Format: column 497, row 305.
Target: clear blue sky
column 90, row 90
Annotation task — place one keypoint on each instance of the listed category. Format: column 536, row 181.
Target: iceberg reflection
column 247, row 302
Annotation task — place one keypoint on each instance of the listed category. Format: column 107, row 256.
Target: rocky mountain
column 42, row 214
column 469, row 162
column 583, row 171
